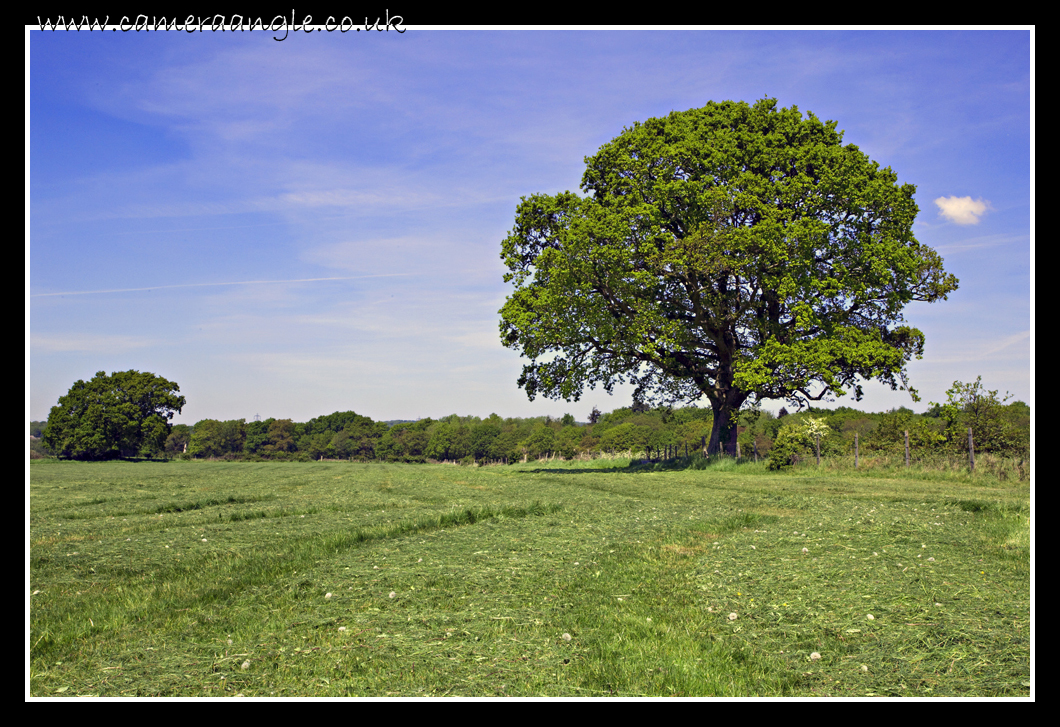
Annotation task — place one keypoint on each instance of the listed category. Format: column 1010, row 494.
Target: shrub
column 791, row 442
column 796, row 441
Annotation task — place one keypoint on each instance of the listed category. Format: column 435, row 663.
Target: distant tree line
column 638, row 431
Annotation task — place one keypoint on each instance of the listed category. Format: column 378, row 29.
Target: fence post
column 971, row 450
column 818, row 449
column 906, row 447
column 756, row 450
column 855, row 450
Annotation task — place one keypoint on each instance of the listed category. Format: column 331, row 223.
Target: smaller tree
column 125, row 414
column 972, row 406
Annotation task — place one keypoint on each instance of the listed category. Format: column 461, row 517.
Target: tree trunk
column 719, row 430
column 713, row 446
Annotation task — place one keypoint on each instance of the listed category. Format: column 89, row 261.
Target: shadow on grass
column 637, row 466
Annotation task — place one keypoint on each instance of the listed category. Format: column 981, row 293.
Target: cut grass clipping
column 343, row 579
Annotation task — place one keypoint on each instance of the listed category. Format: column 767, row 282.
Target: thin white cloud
column 984, row 350
column 984, row 241
column 88, row 343
column 1006, row 342
column 962, row 210
column 211, row 285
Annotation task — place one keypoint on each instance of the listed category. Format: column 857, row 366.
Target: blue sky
column 294, row 228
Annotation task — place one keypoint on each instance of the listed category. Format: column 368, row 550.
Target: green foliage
column 257, row 435
column 568, row 441
column 342, row 435
column 281, row 434
column 995, row 427
column 889, row 433
column 483, row 436
column 213, row 438
column 441, row 444
column 790, row 444
column 690, row 414
column 798, row 439
column 731, row 251
column 334, row 423
column 541, row 442
column 38, row 450
column 506, row 448
column 405, row 442
column 125, row 414
column 178, row 440
column 625, row 437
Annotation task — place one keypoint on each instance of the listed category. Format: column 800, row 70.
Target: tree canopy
column 734, row 252
column 125, row 414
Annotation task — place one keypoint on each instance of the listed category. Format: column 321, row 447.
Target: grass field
column 581, row 579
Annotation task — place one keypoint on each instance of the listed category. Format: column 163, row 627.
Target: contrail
column 205, row 285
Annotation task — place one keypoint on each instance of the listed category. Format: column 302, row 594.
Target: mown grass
column 551, row 579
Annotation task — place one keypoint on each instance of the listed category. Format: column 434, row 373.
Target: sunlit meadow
column 552, row 579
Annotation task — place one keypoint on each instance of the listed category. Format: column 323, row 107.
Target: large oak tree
column 735, row 251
